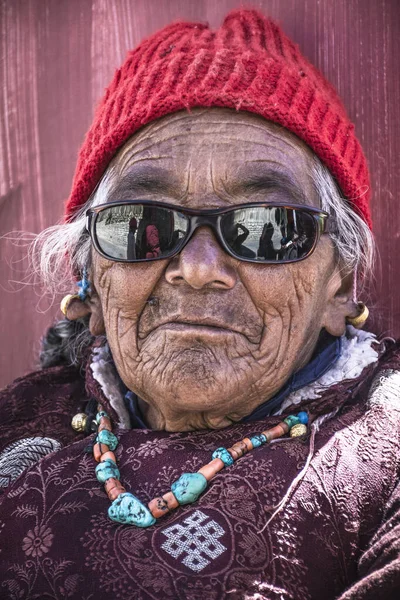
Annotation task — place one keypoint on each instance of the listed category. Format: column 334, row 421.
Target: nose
column 202, row 264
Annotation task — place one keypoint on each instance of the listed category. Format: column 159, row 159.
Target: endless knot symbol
column 196, row 539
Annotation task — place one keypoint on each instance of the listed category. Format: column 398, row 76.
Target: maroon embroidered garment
column 337, row 535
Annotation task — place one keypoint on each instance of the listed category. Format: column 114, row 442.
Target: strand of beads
column 128, row 509
column 125, row 507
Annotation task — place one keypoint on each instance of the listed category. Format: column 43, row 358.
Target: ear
column 96, row 322
column 339, row 303
column 91, row 306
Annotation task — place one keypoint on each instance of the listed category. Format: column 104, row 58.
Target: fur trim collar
column 104, row 373
column 357, row 353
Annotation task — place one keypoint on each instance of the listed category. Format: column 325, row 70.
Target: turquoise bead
column 224, row 455
column 107, row 469
column 258, row 439
column 291, row 421
column 128, row 510
column 100, row 414
column 106, row 437
column 303, row 417
column 188, row 487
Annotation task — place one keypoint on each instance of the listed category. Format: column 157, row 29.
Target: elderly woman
column 234, row 434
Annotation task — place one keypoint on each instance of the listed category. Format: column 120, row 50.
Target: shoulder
column 42, row 403
column 374, row 398
column 384, row 385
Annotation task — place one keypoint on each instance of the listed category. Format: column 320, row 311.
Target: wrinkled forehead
column 216, row 151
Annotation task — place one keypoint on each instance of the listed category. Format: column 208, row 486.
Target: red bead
column 171, row 501
column 212, row 468
column 105, row 423
column 114, row 488
column 99, row 449
column 108, row 455
column 158, row 507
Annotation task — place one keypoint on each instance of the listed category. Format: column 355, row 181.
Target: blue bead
column 106, row 437
column 224, row 455
column 303, row 417
column 188, row 487
column 291, row 421
column 107, row 469
column 128, row 510
column 100, row 414
column 84, row 286
column 258, row 439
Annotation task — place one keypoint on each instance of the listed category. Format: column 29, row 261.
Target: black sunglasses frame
column 209, row 218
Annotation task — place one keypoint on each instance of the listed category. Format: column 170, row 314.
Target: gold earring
column 360, row 319
column 66, row 301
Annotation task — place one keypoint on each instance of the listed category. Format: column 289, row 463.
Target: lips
column 207, row 324
column 188, row 311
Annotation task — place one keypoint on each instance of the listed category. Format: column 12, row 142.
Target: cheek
column 124, row 290
column 290, row 292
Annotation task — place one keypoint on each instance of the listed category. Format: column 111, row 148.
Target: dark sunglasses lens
column 269, row 233
column 139, row 232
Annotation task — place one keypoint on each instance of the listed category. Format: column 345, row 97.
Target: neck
column 190, row 421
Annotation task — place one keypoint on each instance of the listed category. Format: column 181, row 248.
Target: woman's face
column 204, row 338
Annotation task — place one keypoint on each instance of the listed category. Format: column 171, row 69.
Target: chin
column 198, row 381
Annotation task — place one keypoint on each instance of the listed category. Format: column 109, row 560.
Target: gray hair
column 63, row 249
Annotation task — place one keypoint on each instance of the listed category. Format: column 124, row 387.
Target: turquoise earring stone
column 224, row 455
column 257, row 440
column 99, row 415
column 107, row 469
column 128, row 510
column 108, row 438
column 291, row 421
column 188, row 487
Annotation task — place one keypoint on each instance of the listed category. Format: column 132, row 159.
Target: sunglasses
column 142, row 230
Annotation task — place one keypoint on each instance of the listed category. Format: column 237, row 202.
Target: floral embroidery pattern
column 37, row 541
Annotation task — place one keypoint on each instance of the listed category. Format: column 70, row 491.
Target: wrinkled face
column 204, row 338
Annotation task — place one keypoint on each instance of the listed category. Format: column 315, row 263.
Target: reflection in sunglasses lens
column 269, row 233
column 137, row 231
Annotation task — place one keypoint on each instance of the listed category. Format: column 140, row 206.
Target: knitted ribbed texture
column 248, row 64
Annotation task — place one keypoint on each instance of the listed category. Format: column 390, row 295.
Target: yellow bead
column 79, row 422
column 298, row 430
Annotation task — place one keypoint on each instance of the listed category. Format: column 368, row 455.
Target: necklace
column 128, row 509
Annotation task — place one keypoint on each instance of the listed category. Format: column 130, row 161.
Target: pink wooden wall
column 58, row 55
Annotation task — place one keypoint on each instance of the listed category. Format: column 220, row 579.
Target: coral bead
column 158, row 507
column 171, row 501
column 212, row 468
column 99, row 450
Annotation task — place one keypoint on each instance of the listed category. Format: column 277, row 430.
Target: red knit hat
column 247, row 64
